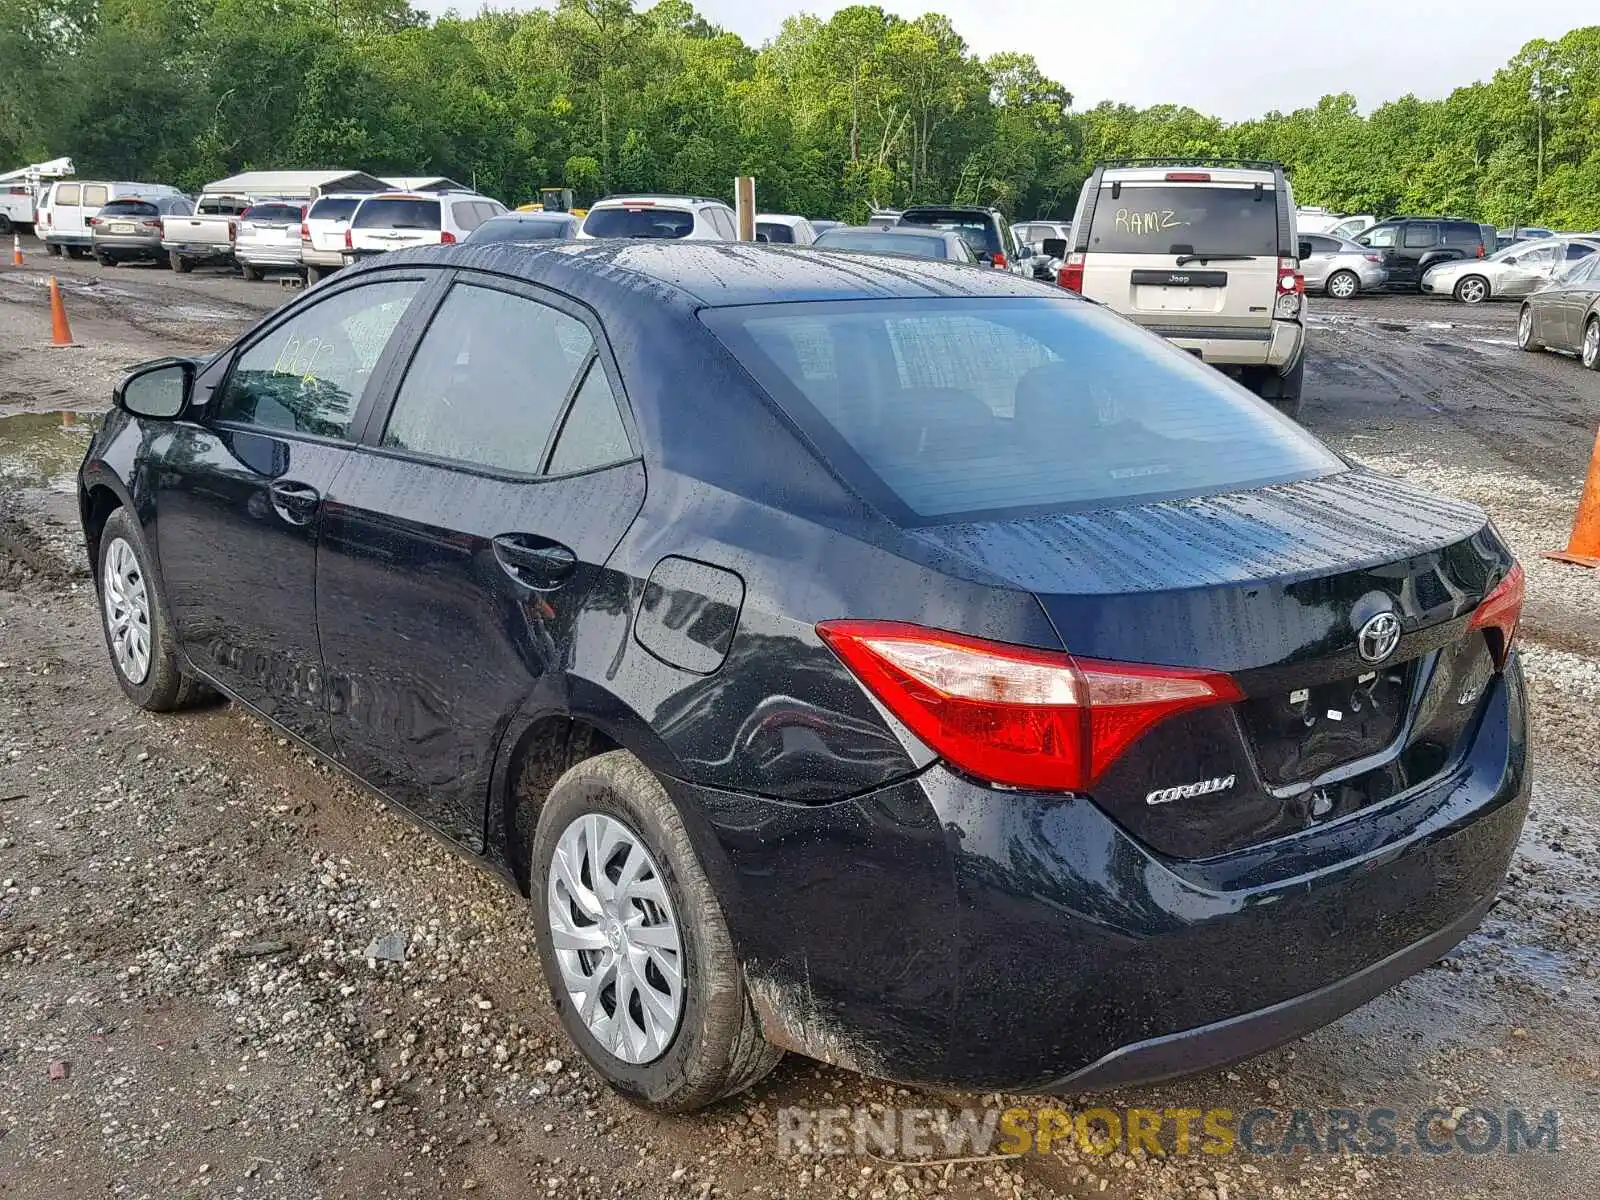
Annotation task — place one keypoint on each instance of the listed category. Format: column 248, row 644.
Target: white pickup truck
column 209, row 235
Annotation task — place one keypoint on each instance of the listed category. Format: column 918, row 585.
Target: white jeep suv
column 693, row 217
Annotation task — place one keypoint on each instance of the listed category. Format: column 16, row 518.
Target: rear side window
column 1577, row 250
column 638, row 223
column 776, row 233
column 1323, row 245
column 949, row 409
column 67, row 193
column 1185, row 219
column 130, row 208
column 488, row 381
column 467, row 214
column 1420, row 235
column 977, row 231
column 95, row 195
column 1461, row 234
column 397, row 214
column 307, row 375
column 592, row 435
column 333, row 208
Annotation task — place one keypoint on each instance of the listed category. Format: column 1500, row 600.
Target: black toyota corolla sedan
column 908, row 665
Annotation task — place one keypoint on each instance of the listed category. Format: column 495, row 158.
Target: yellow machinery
column 553, row 199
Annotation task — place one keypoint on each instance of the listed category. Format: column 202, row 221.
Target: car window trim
column 377, row 420
column 590, row 364
column 377, row 382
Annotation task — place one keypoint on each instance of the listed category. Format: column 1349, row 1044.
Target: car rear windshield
column 333, row 208
column 1185, row 219
column 515, row 229
column 775, row 232
column 397, row 214
column 130, row 208
column 976, row 229
column 884, row 243
column 272, row 212
column 648, row 222
column 976, row 407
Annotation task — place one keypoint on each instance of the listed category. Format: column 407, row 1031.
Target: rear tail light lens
column 305, row 231
column 1291, row 288
column 348, row 244
column 233, row 231
column 999, row 260
column 93, row 221
column 1499, row 613
column 1188, row 177
column 1071, row 274
column 157, row 225
column 446, row 238
column 1014, row 715
column 1377, row 258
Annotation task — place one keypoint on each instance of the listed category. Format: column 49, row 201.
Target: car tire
column 132, row 616
column 179, row 263
column 1280, row 391
column 1472, row 289
column 1525, row 338
column 315, row 275
column 5, row 225
column 78, row 252
column 715, row 1048
column 253, row 274
column 1343, row 285
column 1589, row 348
column 105, row 260
column 52, row 250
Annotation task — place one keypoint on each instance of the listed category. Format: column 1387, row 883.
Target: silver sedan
column 1341, row 268
column 1518, row 270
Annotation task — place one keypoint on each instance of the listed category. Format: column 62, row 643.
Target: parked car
column 1202, row 252
column 1566, row 315
column 883, row 218
column 1411, row 245
column 526, row 227
column 913, row 243
column 386, row 221
column 822, row 226
column 1519, row 269
column 789, row 632
column 206, row 236
column 1035, row 233
column 984, row 228
column 131, row 229
column 322, row 233
column 783, row 230
column 670, row 218
column 64, row 226
column 1313, row 218
column 1341, row 268
column 269, row 238
column 1524, row 233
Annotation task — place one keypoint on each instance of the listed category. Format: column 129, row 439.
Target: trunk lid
column 1274, row 586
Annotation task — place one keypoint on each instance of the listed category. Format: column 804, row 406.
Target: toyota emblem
column 1378, row 637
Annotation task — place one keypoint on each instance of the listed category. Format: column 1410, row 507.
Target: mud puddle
column 40, row 452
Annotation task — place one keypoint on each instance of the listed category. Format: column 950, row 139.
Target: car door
column 1417, row 239
column 238, row 493
column 1560, row 309
column 461, row 543
column 1528, row 270
column 1317, row 267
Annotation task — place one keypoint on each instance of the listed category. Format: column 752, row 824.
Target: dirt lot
column 187, row 904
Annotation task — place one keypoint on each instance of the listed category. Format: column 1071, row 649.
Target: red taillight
column 1188, row 176
column 1500, row 611
column 1480, row 251
column 1377, row 258
column 348, row 244
column 1071, row 274
column 305, row 231
column 1289, row 277
column 93, row 221
column 157, row 225
column 446, row 238
column 999, row 260
column 1014, row 715
column 233, row 231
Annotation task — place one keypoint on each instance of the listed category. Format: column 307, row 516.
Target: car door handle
column 295, row 502
column 534, row 561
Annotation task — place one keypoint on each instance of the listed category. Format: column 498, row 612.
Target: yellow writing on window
column 1153, row 221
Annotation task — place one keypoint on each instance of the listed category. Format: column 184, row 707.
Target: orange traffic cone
column 1583, row 548
column 60, row 331
column 16, row 250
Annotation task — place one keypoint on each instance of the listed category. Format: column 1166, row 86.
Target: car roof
column 718, row 274
column 972, row 209
column 653, row 198
column 780, row 218
column 1158, row 174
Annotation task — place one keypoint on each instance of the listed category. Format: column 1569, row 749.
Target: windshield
column 981, row 407
column 1185, row 219
column 397, row 214
column 883, row 243
column 648, row 222
column 977, row 230
column 333, row 208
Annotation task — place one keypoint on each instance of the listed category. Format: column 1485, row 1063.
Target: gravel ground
column 226, row 971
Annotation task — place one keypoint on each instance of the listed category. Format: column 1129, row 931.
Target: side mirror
column 1306, row 249
column 1055, row 247
column 1512, row 261
column 157, row 391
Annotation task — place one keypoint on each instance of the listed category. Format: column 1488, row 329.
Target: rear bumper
column 313, row 257
column 1277, row 344
column 127, row 246
column 52, row 238
column 941, row 933
column 199, row 250
column 268, row 256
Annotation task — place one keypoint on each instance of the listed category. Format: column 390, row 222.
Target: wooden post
column 744, row 190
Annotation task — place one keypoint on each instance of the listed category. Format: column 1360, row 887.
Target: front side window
column 956, row 408
column 1379, row 236
column 307, row 374
column 1185, row 219
column 489, row 380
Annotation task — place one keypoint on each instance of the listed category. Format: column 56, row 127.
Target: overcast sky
column 1233, row 58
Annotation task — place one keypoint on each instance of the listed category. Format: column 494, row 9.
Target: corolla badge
column 1378, row 637
column 1188, row 791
